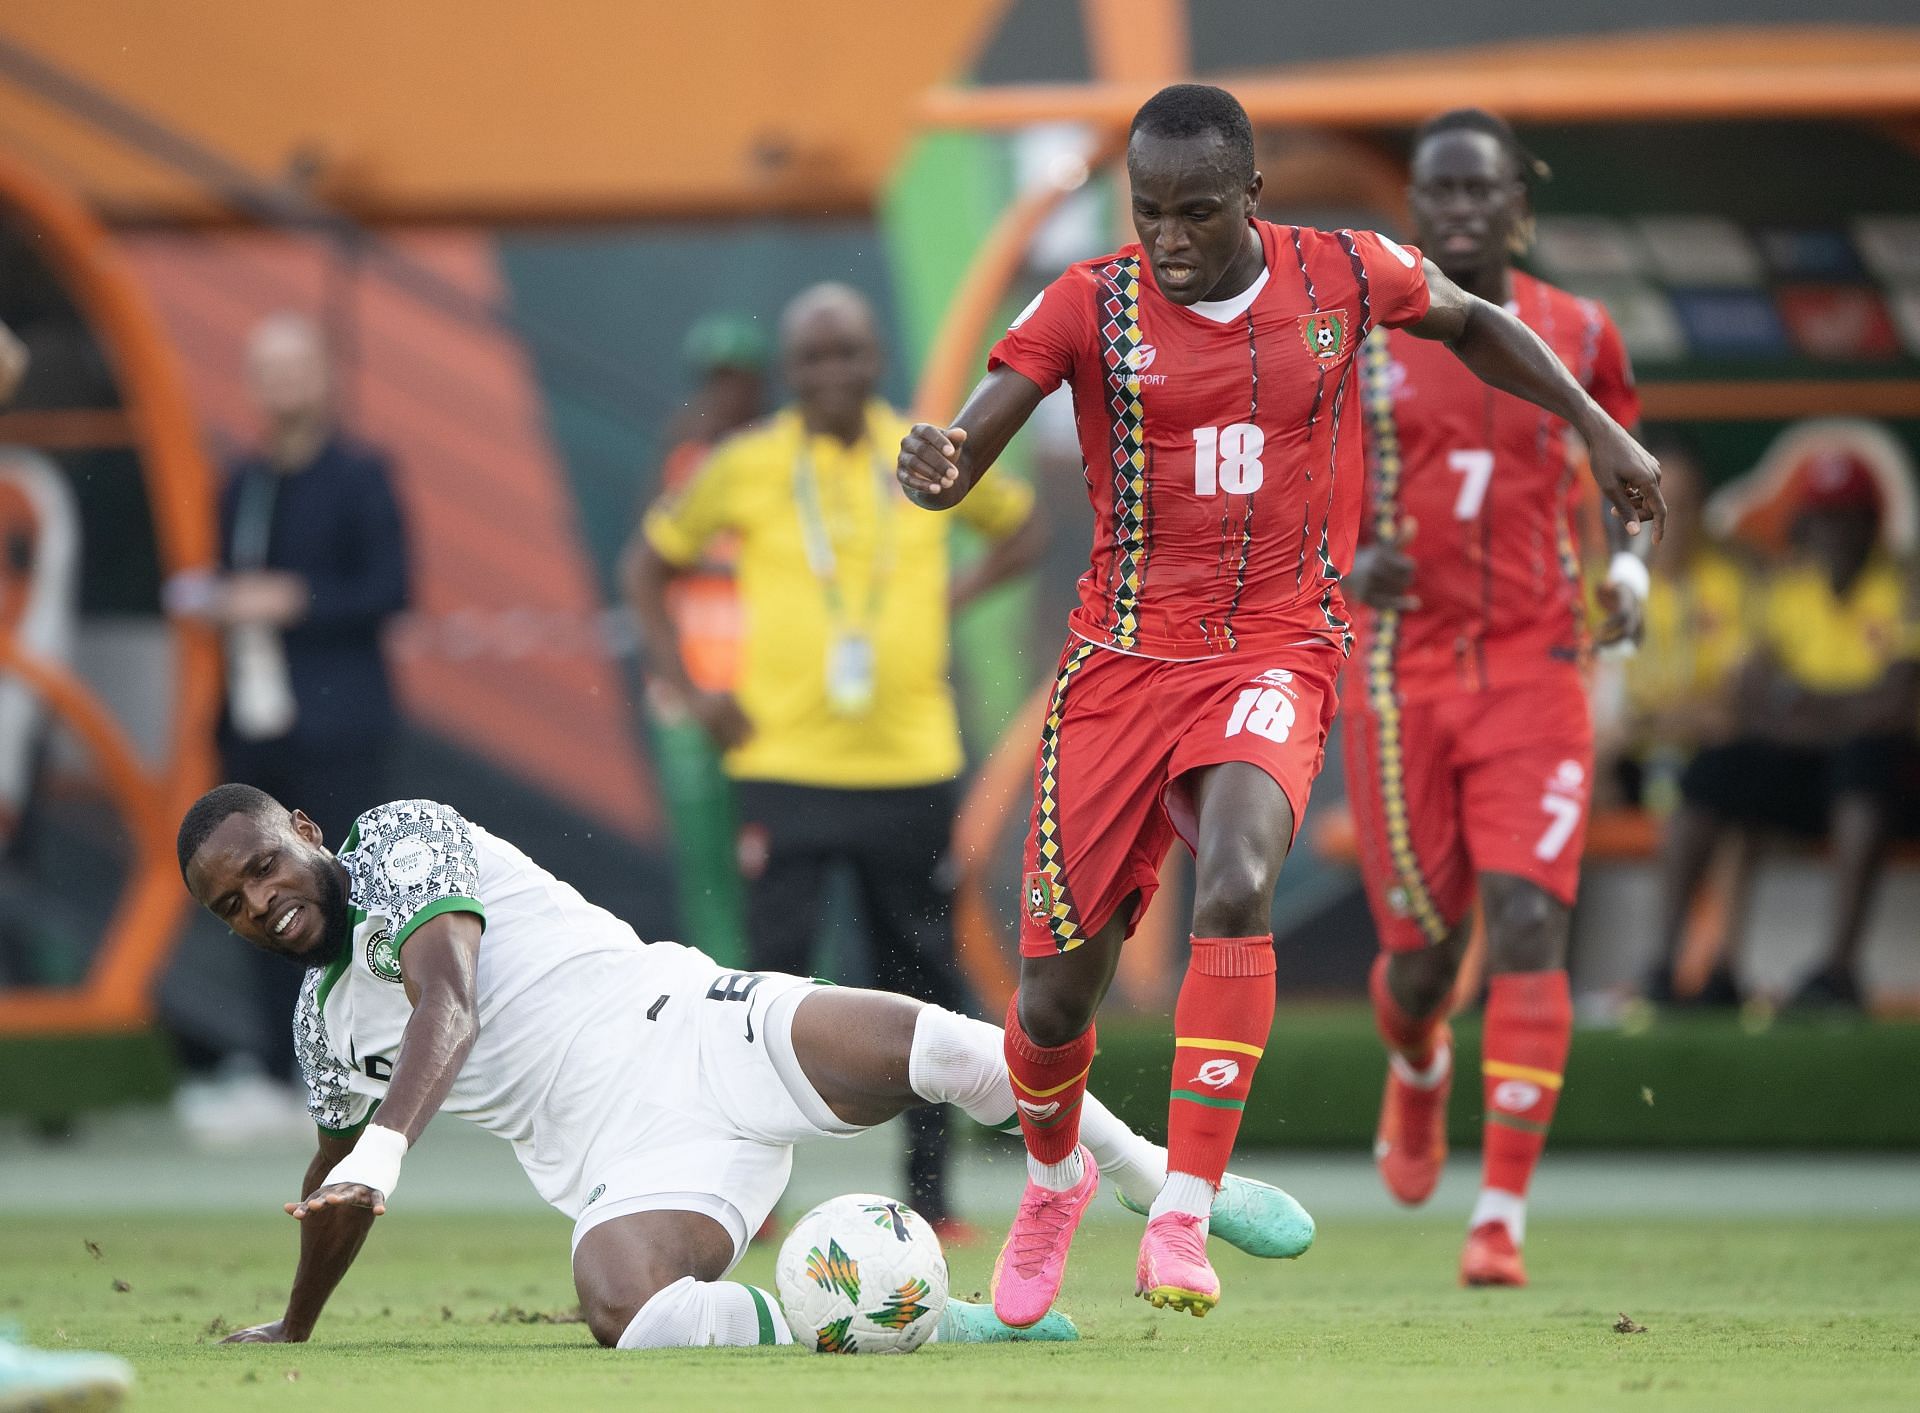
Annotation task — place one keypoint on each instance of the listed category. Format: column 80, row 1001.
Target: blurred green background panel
column 627, row 295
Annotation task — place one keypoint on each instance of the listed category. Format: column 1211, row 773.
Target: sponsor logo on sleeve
column 1395, row 249
column 1027, row 313
column 408, row 863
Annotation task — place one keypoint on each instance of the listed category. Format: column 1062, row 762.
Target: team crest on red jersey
column 1325, row 334
column 1039, row 897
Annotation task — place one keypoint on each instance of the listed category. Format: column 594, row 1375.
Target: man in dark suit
column 314, row 562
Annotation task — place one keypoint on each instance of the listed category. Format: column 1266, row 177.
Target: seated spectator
column 1824, row 713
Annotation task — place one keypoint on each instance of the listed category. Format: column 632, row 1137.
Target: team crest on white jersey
column 382, row 960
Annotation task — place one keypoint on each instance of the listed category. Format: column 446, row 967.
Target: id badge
column 850, row 674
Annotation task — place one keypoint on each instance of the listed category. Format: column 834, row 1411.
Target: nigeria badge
column 382, row 960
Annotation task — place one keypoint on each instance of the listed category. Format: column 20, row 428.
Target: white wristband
column 1628, row 571
column 374, row 1161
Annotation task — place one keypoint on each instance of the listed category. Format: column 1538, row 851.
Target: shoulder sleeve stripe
column 453, row 903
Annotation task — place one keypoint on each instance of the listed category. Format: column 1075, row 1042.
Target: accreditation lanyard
column 254, row 506
column 850, row 655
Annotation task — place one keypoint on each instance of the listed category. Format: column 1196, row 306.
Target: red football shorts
column 1119, row 735
column 1449, row 787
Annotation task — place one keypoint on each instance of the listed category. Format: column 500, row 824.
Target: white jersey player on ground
column 651, row 1095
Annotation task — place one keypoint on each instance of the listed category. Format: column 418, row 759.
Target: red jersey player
column 1470, row 751
column 1216, row 389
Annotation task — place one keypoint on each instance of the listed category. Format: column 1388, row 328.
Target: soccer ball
column 862, row 1274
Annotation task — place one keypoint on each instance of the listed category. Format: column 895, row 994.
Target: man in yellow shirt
column 1825, row 712
column 841, row 735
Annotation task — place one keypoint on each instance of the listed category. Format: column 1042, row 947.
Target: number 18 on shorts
column 1121, row 737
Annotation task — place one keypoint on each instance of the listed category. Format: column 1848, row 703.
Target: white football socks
column 1132, row 1163
column 1062, row 1176
column 1428, row 1077
column 960, row 1061
column 693, row 1314
column 1183, row 1192
column 1507, row 1208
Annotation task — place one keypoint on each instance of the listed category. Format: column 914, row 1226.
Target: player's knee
column 1053, row 1016
column 610, row 1312
column 1526, row 931
column 1234, row 897
column 1423, row 980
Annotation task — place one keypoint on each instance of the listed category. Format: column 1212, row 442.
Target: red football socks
column 1529, row 1027
column 1048, row 1085
column 1409, row 1037
column 1220, row 1026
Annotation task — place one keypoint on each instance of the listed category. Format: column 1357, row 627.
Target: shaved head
column 829, row 302
column 830, row 345
column 287, row 365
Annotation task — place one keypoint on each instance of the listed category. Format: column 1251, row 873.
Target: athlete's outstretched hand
column 929, row 465
column 339, row 1194
column 1629, row 478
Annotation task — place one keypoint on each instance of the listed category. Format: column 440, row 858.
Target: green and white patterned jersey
column 561, row 986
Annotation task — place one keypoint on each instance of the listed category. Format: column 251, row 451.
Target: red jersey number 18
column 1228, row 459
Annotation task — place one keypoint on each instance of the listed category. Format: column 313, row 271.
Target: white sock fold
column 1068, row 1173
column 693, row 1314
column 1507, row 1208
column 1429, row 1077
column 960, row 1061
column 1183, row 1192
column 1131, row 1162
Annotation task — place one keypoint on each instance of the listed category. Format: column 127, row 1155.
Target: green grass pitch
column 447, row 1312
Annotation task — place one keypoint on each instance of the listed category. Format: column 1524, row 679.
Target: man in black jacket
column 314, row 562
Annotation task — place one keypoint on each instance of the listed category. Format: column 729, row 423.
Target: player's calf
column 651, row 1279
column 1529, row 1029
column 1410, row 1143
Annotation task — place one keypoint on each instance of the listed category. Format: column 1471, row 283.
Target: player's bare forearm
column 1504, row 353
column 329, row 1242
column 439, row 964
column 1006, row 558
column 937, row 468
